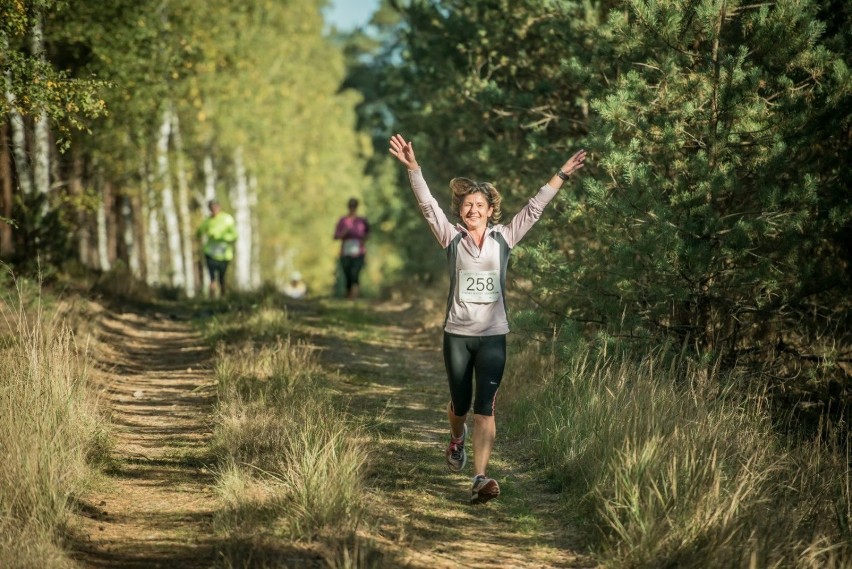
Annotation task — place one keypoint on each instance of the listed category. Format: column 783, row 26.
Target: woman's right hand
column 404, row 151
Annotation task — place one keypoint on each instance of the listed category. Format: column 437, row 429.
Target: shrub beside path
column 156, row 507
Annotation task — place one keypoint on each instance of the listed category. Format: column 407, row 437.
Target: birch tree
column 18, row 142
column 186, row 233
column 256, row 278
column 41, row 129
column 170, row 214
column 102, row 232
column 153, row 237
column 128, row 236
column 209, row 194
column 242, row 216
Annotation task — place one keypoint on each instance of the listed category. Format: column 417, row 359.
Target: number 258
column 480, row 284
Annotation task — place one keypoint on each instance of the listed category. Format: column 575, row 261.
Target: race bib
column 351, row 247
column 479, row 286
column 217, row 249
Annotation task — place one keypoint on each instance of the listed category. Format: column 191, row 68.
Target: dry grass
column 50, row 431
column 675, row 470
column 290, row 464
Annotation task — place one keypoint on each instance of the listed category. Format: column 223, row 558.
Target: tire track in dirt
column 155, row 507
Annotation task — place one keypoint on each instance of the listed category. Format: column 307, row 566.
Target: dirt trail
column 156, row 506
column 389, row 361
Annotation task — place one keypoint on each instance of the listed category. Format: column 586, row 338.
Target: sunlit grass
column 291, row 466
column 675, row 470
column 265, row 321
column 50, row 432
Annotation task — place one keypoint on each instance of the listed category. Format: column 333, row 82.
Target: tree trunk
column 183, row 209
column 209, row 194
column 76, row 189
column 242, row 216
column 255, row 235
column 129, row 237
column 152, row 235
column 19, row 144
column 102, row 225
column 170, row 216
column 41, row 128
column 6, row 245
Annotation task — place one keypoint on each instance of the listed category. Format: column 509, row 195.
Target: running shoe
column 456, row 457
column 483, row 489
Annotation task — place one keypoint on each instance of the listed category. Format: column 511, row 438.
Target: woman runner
column 476, row 323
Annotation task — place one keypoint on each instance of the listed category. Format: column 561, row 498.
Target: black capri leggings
column 351, row 269
column 466, row 356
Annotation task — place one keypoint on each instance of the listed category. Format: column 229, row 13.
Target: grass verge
column 673, row 468
column 50, row 431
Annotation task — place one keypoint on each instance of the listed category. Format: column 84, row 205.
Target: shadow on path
column 155, row 509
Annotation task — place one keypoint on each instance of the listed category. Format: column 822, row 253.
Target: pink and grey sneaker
column 483, row 489
column 456, row 457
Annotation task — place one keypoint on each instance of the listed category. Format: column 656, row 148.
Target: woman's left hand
column 574, row 163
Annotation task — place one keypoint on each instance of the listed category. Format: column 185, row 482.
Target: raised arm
column 571, row 165
column 530, row 213
column 404, row 151
column 441, row 227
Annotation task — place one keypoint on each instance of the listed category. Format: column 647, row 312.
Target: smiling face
column 475, row 210
column 476, row 203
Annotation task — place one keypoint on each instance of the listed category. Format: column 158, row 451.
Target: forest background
column 714, row 213
column 713, row 219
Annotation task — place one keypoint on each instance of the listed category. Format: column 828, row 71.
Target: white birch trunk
column 18, row 143
column 170, row 216
column 41, row 129
column 242, row 217
column 17, row 133
column 152, row 233
column 209, row 194
column 183, row 209
column 255, row 235
column 129, row 237
column 209, row 179
column 102, row 235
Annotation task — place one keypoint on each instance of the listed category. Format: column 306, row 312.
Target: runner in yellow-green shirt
column 219, row 232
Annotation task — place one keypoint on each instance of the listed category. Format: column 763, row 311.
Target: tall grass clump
column 675, row 466
column 50, row 433
column 290, row 463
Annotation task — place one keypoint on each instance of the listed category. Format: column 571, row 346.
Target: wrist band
column 562, row 174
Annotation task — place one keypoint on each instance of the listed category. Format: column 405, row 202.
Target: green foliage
column 35, row 85
column 259, row 77
column 714, row 207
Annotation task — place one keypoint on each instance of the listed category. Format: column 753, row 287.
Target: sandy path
column 387, row 357
column 155, row 509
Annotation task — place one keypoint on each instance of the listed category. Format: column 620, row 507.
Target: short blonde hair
column 462, row 187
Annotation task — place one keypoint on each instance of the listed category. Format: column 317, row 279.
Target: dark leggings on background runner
column 464, row 356
column 351, row 269
column 217, row 270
